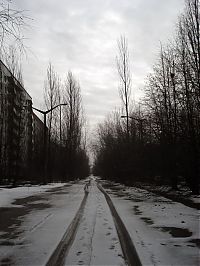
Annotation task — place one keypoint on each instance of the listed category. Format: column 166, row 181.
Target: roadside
column 33, row 225
column 164, row 232
column 182, row 195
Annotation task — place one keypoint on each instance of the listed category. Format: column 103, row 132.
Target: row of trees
column 31, row 151
column 63, row 154
column 66, row 146
column 160, row 140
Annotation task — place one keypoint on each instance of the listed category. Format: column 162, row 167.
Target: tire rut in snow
column 96, row 241
column 59, row 254
column 127, row 245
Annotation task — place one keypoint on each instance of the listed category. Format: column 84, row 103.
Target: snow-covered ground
column 43, row 218
column 164, row 232
column 33, row 220
column 8, row 195
column 183, row 194
column 96, row 241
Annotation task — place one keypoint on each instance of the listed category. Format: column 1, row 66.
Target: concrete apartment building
column 18, row 126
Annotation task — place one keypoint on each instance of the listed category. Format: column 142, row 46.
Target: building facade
column 16, row 128
column 38, row 148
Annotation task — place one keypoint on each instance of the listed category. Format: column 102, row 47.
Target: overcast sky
column 81, row 36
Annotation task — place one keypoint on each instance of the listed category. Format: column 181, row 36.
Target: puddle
column 166, row 201
column 6, row 262
column 133, row 199
column 147, row 220
column 39, row 206
column 59, row 193
column 11, row 223
column 28, row 200
column 14, row 216
column 136, row 210
column 7, row 243
column 57, row 189
column 195, row 241
column 177, row 232
column 119, row 194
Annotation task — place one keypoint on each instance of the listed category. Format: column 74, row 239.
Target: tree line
column 28, row 150
column 158, row 139
column 66, row 146
column 53, row 148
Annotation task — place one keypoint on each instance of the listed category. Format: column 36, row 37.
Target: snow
column 96, row 241
column 183, row 191
column 161, row 229
column 195, row 199
column 43, row 227
column 164, row 232
column 9, row 195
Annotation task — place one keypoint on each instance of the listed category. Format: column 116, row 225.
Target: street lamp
column 45, row 135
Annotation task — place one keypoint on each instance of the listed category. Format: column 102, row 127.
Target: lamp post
column 45, row 135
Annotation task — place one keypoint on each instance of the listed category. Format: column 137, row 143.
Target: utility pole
column 45, row 130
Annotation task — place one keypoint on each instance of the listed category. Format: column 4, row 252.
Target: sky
column 81, row 36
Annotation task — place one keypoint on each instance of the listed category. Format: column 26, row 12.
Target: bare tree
column 12, row 23
column 124, row 76
column 73, row 120
column 188, row 48
column 66, row 153
column 165, row 138
column 51, row 95
column 13, row 62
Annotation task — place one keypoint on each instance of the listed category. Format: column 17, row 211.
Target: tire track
column 129, row 251
column 59, row 254
column 130, row 255
column 96, row 241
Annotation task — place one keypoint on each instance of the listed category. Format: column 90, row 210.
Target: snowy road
column 36, row 221
column 96, row 241
column 60, row 226
column 92, row 237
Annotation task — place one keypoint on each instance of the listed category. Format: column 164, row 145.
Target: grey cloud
column 81, row 36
